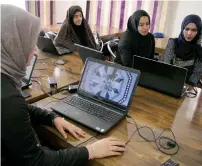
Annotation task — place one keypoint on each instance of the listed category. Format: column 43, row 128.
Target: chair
column 98, row 41
column 158, row 35
column 112, row 47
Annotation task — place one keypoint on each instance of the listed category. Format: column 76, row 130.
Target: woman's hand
column 106, row 147
column 62, row 125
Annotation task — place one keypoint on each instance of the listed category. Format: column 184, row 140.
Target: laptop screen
column 160, row 76
column 108, row 83
column 29, row 69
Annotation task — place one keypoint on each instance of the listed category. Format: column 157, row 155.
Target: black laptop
column 103, row 97
column 161, row 76
column 46, row 44
column 26, row 81
column 85, row 52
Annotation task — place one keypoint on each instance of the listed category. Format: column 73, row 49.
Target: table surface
column 107, row 32
column 45, row 67
column 149, row 108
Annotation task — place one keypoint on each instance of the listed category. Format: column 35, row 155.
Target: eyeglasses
column 189, row 29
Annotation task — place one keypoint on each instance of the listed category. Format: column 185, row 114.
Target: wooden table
column 155, row 110
column 104, row 32
column 64, row 74
column 160, row 45
column 110, row 32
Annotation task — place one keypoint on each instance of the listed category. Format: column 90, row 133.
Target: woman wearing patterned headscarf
column 75, row 29
column 136, row 40
column 184, row 50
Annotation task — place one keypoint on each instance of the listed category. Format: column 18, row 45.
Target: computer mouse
column 171, row 144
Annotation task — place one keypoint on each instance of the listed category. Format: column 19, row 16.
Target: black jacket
column 129, row 46
column 20, row 145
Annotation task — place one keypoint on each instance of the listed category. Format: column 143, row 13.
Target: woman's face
column 190, row 31
column 143, row 27
column 77, row 18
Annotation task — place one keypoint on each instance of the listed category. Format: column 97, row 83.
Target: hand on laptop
column 110, row 146
column 62, row 125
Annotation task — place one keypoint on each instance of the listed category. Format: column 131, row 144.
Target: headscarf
column 71, row 33
column 19, row 32
column 187, row 50
column 143, row 44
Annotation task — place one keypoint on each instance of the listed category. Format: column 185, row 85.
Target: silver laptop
column 26, row 81
column 161, row 76
column 85, row 52
column 103, row 97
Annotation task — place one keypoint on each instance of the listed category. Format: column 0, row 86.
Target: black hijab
column 187, row 50
column 143, row 45
column 71, row 33
column 78, row 29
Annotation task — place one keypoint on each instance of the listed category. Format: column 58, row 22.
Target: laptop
column 46, row 44
column 161, row 76
column 103, row 97
column 85, row 52
column 26, row 81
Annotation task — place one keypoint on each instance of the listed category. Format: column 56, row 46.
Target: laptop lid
column 29, row 70
column 85, row 52
column 109, row 83
column 45, row 44
column 160, row 76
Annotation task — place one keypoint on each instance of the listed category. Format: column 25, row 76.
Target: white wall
column 61, row 8
column 19, row 3
column 177, row 12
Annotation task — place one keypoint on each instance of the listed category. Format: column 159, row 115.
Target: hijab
column 187, row 50
column 19, row 32
column 71, row 33
column 143, row 44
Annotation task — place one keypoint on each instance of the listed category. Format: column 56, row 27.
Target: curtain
column 45, row 10
column 112, row 13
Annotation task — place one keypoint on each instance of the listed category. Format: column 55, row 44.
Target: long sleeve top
column 20, row 145
column 170, row 57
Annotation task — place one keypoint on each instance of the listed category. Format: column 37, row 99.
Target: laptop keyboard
column 93, row 109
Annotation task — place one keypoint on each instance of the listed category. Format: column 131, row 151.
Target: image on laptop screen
column 108, row 83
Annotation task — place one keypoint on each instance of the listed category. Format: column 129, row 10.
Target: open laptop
column 161, row 76
column 26, row 81
column 46, row 44
column 85, row 52
column 103, row 97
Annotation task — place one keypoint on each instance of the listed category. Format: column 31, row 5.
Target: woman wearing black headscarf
column 184, row 50
column 136, row 40
column 75, row 29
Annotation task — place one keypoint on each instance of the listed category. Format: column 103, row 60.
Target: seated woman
column 184, row 50
column 20, row 144
column 75, row 29
column 136, row 40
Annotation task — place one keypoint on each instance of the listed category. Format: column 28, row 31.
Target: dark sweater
column 20, row 145
column 130, row 46
column 194, row 66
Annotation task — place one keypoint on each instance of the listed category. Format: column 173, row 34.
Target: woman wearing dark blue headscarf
column 184, row 50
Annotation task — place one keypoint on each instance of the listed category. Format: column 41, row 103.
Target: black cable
column 87, row 140
column 48, row 103
column 46, row 92
column 157, row 140
column 190, row 93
